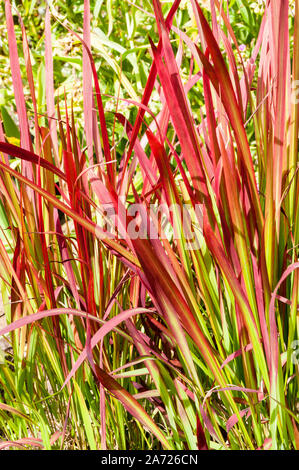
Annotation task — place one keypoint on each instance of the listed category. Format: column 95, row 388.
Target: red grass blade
column 29, row 156
column 17, row 84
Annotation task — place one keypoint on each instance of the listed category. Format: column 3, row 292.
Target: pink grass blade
column 50, row 85
column 30, row 83
column 87, row 83
column 17, row 82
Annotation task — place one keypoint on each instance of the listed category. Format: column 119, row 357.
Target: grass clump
column 149, row 243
